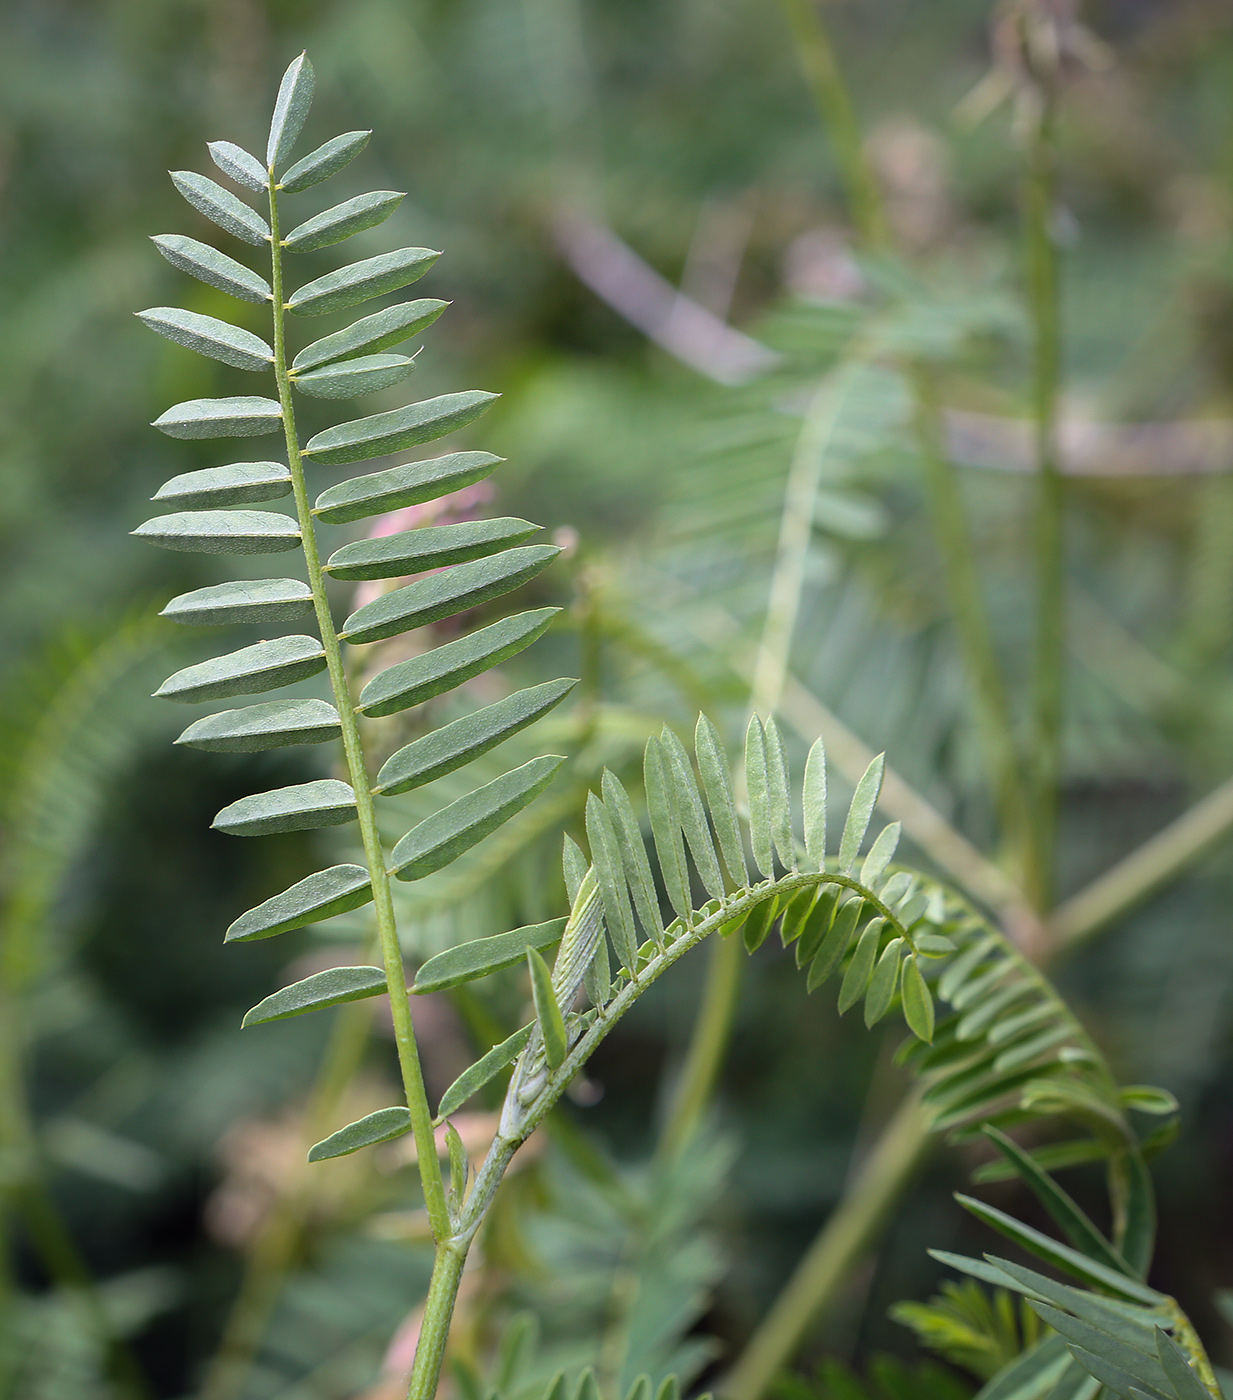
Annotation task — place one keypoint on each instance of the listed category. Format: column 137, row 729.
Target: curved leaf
column 236, row 163
column 547, row 1012
column 250, row 600
column 717, row 784
column 864, row 800
column 483, row 1071
column 428, row 547
column 262, row 666
column 352, row 378
column 371, row 333
column 326, row 160
column 220, row 340
column 633, row 854
column 467, row 962
column 610, row 877
column 917, row 1002
column 222, row 532
column 351, row 216
column 383, row 433
column 295, row 95
column 239, row 483
column 216, row 269
column 439, row 670
column 301, row 807
column 271, row 725
column 456, row 744
column 443, row 836
column 221, row 207
column 693, row 814
column 332, row 987
column 398, row 487
column 360, row 281
column 446, row 594
column 337, row 890
column 859, row 971
column 209, row 418
column 382, row 1126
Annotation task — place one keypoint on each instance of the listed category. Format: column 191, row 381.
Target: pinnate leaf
column 332, row 987
column 221, row 207
column 326, row 160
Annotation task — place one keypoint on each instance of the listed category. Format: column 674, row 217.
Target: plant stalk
column 438, row 1312
column 387, row 930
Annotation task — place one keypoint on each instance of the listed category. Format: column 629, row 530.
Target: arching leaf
column 814, row 804
column 666, row 828
column 779, row 804
column 917, row 1002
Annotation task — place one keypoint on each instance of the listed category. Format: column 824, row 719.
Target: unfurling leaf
column 295, row 95
column 864, row 800
column 547, row 1012
column 458, row 1167
column 325, row 161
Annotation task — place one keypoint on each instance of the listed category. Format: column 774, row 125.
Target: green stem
column 374, row 854
column 825, row 1269
column 438, row 1313
column 1049, row 659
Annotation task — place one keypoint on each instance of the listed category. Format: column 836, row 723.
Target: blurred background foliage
column 548, row 145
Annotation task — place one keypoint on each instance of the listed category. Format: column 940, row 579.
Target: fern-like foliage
column 460, row 565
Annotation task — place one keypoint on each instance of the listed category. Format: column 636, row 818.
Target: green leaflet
column 574, row 867
column 884, row 983
column 459, row 1167
column 456, row 744
column 1144, row 1366
column 1186, row 1384
column 301, row 807
column 237, row 484
column 470, row 961
column 446, row 594
column 778, row 803
column 758, row 925
column 807, row 921
column 1066, row 1213
column 443, row 836
column 633, row 855
column 422, row 677
column 1054, row 1157
column 814, row 803
column 834, row 943
column 1061, row 1256
column 351, row 216
column 584, row 932
column 208, row 265
column 692, row 814
column 316, row 897
column 864, row 800
column 482, row 1072
column 220, row 340
column 610, row 875
column 246, row 600
column 428, row 547
column 352, row 378
column 326, row 160
column 221, row 207
column 1032, row 1375
column 209, row 418
column 323, row 989
column 401, row 428
column 917, row 1002
column 371, row 333
column 1146, row 1098
column 408, row 485
column 1119, row 1381
column 295, row 95
column 236, row 163
column 271, row 725
column 360, row 281
column 547, row 1012
column 880, row 855
column 666, row 828
column 860, row 970
column 717, row 784
column 382, row 1126
column 1132, row 1325
column 222, row 532
column 262, row 666
column 757, row 781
